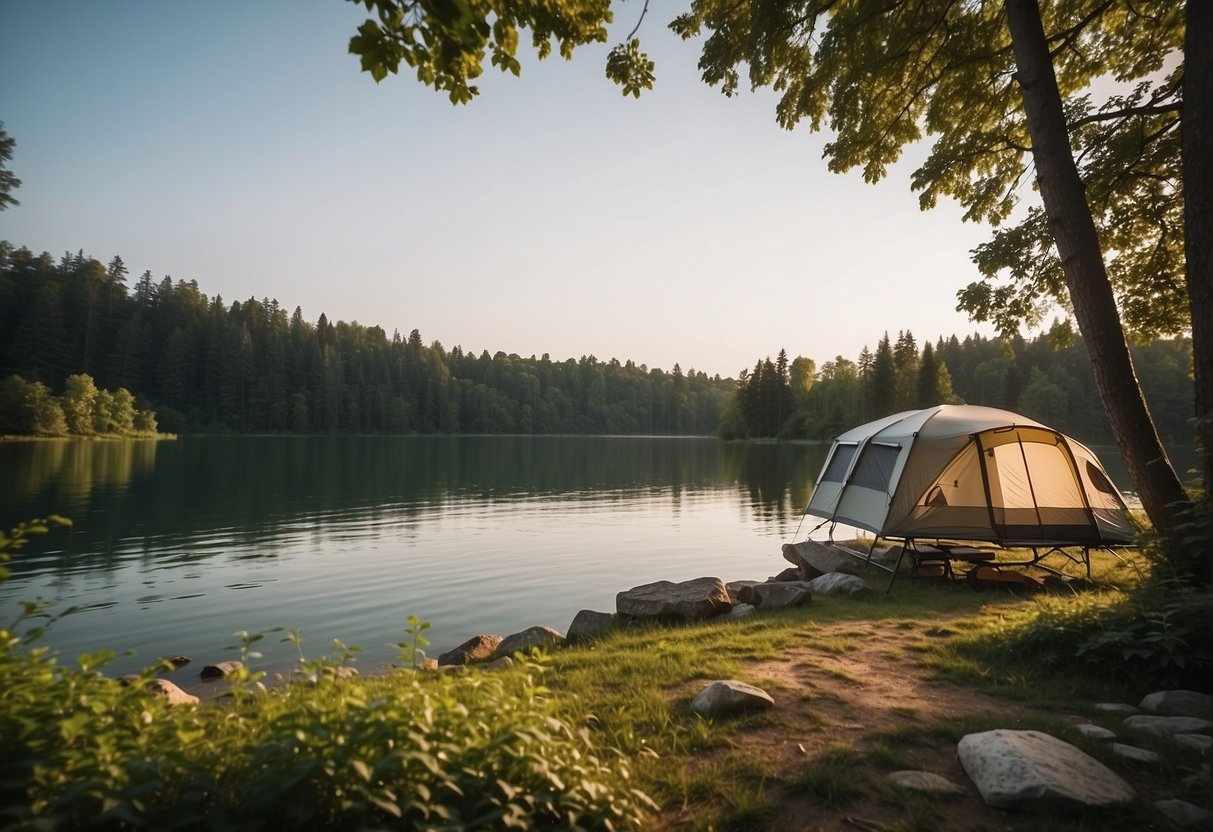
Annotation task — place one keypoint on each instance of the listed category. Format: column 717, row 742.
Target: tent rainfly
column 970, row 473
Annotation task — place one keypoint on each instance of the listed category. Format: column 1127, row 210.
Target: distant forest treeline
column 1054, row 385
column 204, row 366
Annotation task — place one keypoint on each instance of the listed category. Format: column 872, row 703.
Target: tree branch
column 1150, row 110
column 1068, row 36
column 636, row 28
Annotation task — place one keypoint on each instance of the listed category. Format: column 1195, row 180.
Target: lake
column 178, row 544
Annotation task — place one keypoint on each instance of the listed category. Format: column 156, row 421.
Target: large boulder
column 1035, row 771
column 779, row 595
column 816, row 559
column 840, row 583
column 522, row 642
column 588, row 625
column 730, row 697
column 478, row 648
column 1179, row 703
column 684, row 601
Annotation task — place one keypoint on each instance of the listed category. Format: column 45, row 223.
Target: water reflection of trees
column 776, row 478
column 65, row 473
column 201, row 496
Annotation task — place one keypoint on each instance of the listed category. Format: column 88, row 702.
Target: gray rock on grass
column 728, row 697
column 1200, row 743
column 816, row 559
column 1035, row 771
column 740, row 592
column 588, row 625
column 478, row 648
column 522, row 642
column 780, row 595
column 1167, row 726
column 1179, row 703
column 792, row 573
column 684, row 601
column 1096, row 732
column 1133, row 754
column 1116, row 708
column 739, row 612
column 924, row 781
column 840, row 583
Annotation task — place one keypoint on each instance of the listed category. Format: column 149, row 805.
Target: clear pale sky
column 240, row 145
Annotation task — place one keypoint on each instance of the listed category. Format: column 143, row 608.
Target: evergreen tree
column 882, row 391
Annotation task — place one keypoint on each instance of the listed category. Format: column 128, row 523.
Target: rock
column 1167, row 726
column 522, row 642
column 1135, row 755
column 172, row 694
column 730, row 697
column 792, row 573
column 924, row 781
column 739, row 591
column 588, row 625
column 1096, row 732
column 220, row 670
column 1179, row 703
column 738, row 612
column 685, row 601
column 428, row 664
column 840, row 583
column 1036, row 771
column 1201, row 743
column 503, row 663
column 177, row 662
column 476, row 649
column 1185, row 815
column 341, row 672
column 1116, row 708
column 816, row 559
column 780, row 596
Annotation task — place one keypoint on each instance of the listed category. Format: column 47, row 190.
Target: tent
column 970, row 473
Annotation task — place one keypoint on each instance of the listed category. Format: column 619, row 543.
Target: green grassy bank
column 599, row 735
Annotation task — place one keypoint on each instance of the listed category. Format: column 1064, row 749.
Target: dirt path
column 854, row 702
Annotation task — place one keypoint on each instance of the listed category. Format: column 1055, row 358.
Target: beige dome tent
column 969, row 473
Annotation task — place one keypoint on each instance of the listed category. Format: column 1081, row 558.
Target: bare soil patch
column 855, row 701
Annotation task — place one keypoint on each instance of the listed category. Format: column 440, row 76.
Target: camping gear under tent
column 963, row 472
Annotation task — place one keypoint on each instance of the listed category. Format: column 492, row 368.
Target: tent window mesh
column 839, row 462
column 1100, row 481
column 875, row 467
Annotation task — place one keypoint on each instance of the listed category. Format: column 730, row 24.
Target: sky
column 239, row 144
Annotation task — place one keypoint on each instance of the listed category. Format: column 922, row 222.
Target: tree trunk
column 1065, row 204
column 1198, row 214
column 1197, row 152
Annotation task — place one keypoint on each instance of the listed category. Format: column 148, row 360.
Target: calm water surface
column 177, row 544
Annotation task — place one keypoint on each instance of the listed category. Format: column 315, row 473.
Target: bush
column 1155, row 637
column 413, row 749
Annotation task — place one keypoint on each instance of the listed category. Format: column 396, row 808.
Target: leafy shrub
column 1154, row 637
column 413, row 749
